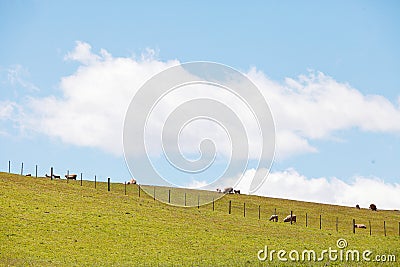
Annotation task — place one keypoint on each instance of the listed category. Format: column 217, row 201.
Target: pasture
column 54, row 223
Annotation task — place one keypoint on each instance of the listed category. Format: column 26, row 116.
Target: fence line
column 247, row 209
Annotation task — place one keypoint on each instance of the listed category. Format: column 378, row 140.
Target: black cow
column 71, row 176
column 373, row 207
column 273, row 218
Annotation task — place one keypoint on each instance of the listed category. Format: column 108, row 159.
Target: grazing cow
column 219, row 190
column 132, row 181
column 228, row 190
column 290, row 219
column 28, row 174
column 373, row 207
column 273, row 218
column 71, row 176
column 357, row 206
column 237, row 192
column 54, row 176
column 363, row 226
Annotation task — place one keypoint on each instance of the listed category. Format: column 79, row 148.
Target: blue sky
column 354, row 44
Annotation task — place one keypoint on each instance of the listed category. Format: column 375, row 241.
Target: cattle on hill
column 290, row 218
column 71, row 176
column 219, row 190
column 357, row 206
column 237, row 192
column 273, row 218
column 132, row 181
column 54, row 176
column 228, row 190
column 373, row 207
column 362, row 226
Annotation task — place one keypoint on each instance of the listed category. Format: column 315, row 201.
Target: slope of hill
column 54, row 223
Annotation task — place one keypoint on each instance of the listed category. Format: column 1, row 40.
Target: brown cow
column 357, row 206
column 373, row 207
column 71, row 176
column 54, row 176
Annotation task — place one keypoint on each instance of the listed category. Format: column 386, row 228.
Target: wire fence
column 214, row 201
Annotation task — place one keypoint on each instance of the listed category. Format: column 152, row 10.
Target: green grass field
column 54, row 223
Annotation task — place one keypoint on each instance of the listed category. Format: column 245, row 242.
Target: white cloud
column 90, row 112
column 16, row 76
column 94, row 99
column 83, row 54
column 290, row 184
column 196, row 184
column 7, row 108
column 9, row 112
column 314, row 106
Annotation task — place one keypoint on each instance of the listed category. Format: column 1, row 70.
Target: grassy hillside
column 55, row 223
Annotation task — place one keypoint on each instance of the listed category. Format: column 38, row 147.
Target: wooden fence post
column 230, row 206
column 370, row 230
column 185, row 199
column 337, row 222
column 108, row 182
column 259, row 212
column 306, row 220
column 320, row 221
column 36, row 171
column 81, row 179
column 51, row 173
column 354, row 226
column 95, row 181
column 384, row 227
column 9, row 166
column 22, row 168
column 139, row 190
column 169, row 195
column 291, row 216
column 244, row 209
column 214, row 209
